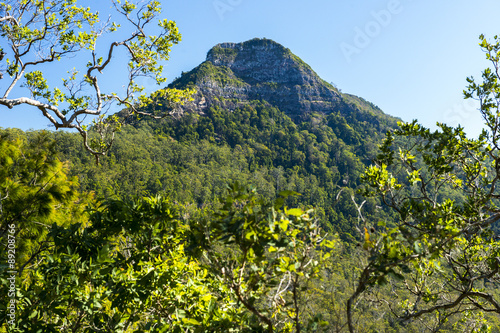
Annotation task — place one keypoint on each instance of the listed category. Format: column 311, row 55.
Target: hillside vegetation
column 270, row 202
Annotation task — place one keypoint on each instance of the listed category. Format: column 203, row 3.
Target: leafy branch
column 40, row 32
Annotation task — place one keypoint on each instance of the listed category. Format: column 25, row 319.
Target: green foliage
column 442, row 254
column 317, row 157
column 34, row 192
column 227, row 54
column 144, row 264
column 272, row 253
column 138, row 266
column 207, row 73
column 216, row 256
column 197, row 171
column 125, row 272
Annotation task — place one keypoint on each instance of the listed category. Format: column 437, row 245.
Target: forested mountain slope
column 259, row 116
column 263, row 118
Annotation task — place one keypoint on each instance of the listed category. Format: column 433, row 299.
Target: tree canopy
column 442, row 253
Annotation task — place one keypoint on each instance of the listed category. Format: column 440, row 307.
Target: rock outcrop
column 259, row 69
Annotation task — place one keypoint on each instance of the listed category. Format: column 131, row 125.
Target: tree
column 125, row 270
column 36, row 33
column 34, row 192
column 138, row 265
column 267, row 256
column 442, row 254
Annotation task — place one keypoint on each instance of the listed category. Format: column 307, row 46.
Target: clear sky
column 409, row 57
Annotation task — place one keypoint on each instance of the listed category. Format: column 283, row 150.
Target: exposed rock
column 259, row 69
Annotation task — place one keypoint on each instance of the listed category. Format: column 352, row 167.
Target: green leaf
column 417, row 247
column 295, row 212
column 33, row 314
column 191, row 321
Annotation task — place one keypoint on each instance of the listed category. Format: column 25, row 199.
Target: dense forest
column 171, row 186
column 184, row 173
column 194, row 158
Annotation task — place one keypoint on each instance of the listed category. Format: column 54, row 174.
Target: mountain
column 260, row 116
column 261, row 69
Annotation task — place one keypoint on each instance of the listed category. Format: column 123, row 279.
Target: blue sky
column 409, row 57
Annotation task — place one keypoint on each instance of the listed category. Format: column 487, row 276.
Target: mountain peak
column 224, row 54
column 261, row 60
column 258, row 69
column 252, row 44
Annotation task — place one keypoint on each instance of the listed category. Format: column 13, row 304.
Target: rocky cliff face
column 260, row 61
column 259, row 69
